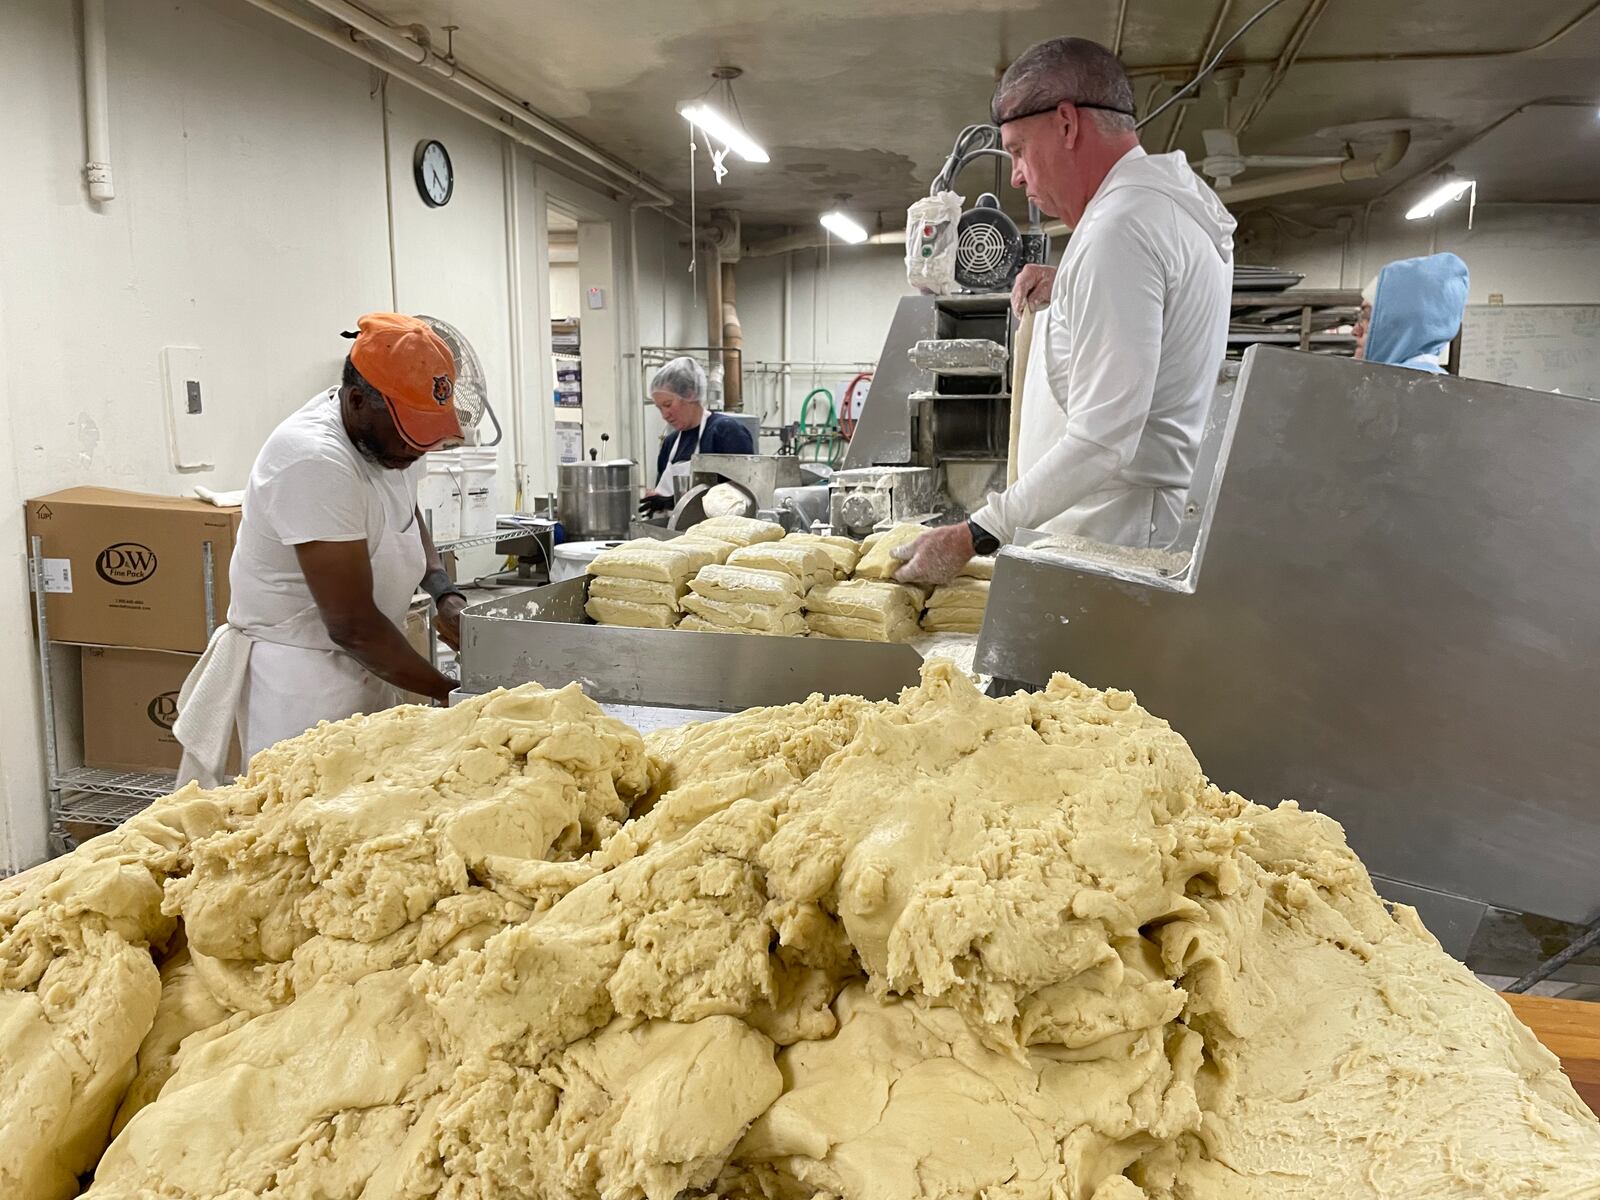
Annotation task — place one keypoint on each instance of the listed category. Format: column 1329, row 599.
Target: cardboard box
column 124, row 569
column 130, row 700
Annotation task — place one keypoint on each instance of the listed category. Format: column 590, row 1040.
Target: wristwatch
column 983, row 541
column 438, row 584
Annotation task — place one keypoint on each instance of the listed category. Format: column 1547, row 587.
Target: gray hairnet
column 683, row 377
column 1065, row 68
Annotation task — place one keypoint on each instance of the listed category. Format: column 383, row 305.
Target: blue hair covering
column 1416, row 310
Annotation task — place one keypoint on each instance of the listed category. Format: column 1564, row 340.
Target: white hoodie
column 1127, row 356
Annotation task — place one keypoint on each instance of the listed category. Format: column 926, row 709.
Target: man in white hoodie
column 1126, row 351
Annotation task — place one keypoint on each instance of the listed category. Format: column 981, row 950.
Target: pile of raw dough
column 945, row 947
column 957, row 607
column 735, row 599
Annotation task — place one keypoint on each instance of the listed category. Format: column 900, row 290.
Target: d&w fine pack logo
column 163, row 710
column 125, row 563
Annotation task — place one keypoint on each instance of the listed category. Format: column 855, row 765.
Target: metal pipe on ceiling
column 1122, row 25
column 341, row 41
column 1286, row 59
column 789, row 242
column 519, row 110
column 1348, row 171
column 1188, row 69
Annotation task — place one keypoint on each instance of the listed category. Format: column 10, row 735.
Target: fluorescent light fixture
column 701, row 114
column 846, row 229
column 1450, row 190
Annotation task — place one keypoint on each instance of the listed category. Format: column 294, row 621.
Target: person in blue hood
column 1416, row 309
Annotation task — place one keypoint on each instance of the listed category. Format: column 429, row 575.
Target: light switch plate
column 189, row 426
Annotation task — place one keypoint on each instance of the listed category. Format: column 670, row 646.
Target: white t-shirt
column 309, row 484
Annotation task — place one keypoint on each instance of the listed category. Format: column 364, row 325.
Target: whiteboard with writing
column 1552, row 347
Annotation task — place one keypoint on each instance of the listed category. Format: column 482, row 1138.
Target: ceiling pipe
column 341, row 41
column 416, row 53
column 96, row 103
column 1122, row 25
column 1348, row 171
column 1187, row 70
column 789, row 242
column 1286, row 59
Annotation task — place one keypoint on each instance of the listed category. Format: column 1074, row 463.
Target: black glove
column 654, row 504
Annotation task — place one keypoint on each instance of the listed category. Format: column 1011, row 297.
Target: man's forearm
column 381, row 648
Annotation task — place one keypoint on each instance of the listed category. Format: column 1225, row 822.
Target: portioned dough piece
column 808, row 564
column 745, row 584
column 981, row 567
column 857, row 629
column 960, row 593
column 789, row 625
column 657, row 561
column 626, row 612
column 637, row 591
column 866, row 600
column 726, row 500
column 879, row 561
column 720, row 549
column 843, row 551
column 738, row 614
column 745, row 531
column 952, row 620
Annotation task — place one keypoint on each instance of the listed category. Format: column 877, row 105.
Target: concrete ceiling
column 863, row 97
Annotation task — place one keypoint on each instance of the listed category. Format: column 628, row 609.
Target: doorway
column 583, row 335
column 566, row 332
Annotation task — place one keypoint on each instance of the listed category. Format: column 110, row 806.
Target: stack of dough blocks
column 642, row 583
column 742, row 575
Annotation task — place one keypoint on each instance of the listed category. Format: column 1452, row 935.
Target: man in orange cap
column 331, row 549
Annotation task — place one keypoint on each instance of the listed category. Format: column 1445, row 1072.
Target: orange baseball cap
column 410, row 364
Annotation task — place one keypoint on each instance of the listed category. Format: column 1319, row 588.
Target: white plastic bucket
column 439, row 495
column 477, row 490
column 572, row 559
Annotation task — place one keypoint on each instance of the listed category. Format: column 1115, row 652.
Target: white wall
column 252, row 220
column 840, row 300
column 1528, row 254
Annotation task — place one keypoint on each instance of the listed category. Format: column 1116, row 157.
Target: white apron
column 272, row 688
column 1122, row 514
column 679, row 470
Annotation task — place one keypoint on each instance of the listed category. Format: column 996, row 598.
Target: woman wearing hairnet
column 678, row 392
